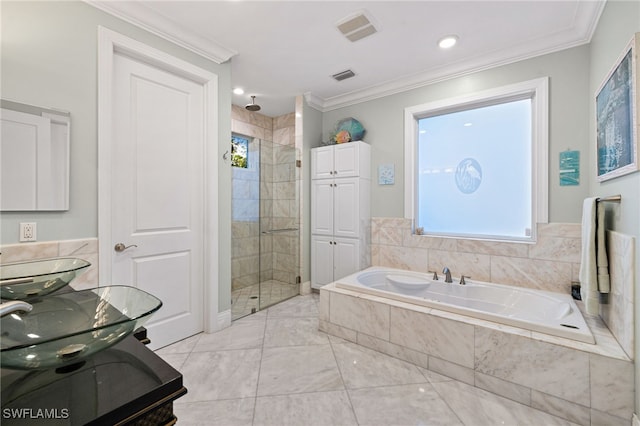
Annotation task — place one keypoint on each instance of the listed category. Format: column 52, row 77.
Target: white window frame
column 538, row 91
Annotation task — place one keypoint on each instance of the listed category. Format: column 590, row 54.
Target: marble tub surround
column 618, row 313
column 276, row 368
column 580, row 382
column 549, row 264
column 85, row 249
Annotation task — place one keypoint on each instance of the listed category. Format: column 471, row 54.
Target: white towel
column 594, row 264
column 588, row 265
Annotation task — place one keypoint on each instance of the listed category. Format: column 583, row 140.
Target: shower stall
column 265, row 258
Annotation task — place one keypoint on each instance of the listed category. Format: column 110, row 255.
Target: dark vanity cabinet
column 127, row 384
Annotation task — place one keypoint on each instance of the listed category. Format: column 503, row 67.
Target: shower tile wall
column 285, row 207
column 273, row 206
column 246, row 209
column 245, row 230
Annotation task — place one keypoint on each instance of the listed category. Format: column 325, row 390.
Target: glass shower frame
column 265, row 228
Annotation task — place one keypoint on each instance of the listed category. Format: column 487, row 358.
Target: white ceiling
column 280, row 49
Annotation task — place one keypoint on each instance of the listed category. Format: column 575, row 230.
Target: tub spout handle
column 462, row 279
column 435, row 275
column 447, row 275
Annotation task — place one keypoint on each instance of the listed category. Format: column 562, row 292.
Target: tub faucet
column 447, row 275
column 14, row 306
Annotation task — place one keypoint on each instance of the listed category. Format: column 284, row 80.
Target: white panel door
column 321, row 260
column 345, row 257
column 322, row 207
column 157, row 199
column 346, row 202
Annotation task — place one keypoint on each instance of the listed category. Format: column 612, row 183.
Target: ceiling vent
column 356, row 27
column 343, row 75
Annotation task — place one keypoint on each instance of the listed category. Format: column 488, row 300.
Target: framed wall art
column 617, row 116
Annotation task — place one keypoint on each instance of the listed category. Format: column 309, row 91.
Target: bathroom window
column 476, row 166
column 239, row 151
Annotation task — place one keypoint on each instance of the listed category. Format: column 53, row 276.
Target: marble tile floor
column 244, row 300
column 275, row 368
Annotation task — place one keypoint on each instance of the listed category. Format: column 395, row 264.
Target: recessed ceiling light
column 238, row 91
column 448, row 42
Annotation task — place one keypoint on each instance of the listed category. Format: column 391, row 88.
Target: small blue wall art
column 386, row 174
column 569, row 168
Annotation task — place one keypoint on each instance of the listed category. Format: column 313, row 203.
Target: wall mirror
column 34, row 157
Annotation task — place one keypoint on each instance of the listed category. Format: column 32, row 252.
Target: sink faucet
column 14, row 306
column 447, row 275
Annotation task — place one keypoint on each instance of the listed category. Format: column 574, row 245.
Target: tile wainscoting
column 549, row 264
column 618, row 313
column 86, row 249
column 583, row 383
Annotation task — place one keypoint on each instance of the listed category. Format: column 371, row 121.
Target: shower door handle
column 121, row 247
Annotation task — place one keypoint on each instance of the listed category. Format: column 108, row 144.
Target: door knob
column 121, row 247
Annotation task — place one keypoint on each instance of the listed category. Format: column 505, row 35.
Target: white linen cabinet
column 340, row 211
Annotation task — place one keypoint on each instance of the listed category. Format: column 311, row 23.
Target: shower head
column 252, row 106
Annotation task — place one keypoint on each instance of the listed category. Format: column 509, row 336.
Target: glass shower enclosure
column 265, row 258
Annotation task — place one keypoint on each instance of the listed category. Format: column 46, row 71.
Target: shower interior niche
column 265, row 223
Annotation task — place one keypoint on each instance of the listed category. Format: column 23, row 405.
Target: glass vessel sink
column 62, row 329
column 21, row 280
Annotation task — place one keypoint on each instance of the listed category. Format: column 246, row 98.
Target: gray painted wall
column 617, row 25
column 49, row 58
column 568, row 84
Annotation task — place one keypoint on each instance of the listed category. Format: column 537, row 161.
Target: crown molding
column 581, row 32
column 143, row 17
column 416, row 81
column 314, row 101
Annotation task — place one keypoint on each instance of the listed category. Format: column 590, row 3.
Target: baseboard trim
column 224, row 320
column 305, row 288
column 635, row 421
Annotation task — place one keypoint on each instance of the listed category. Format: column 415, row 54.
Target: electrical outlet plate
column 27, row 231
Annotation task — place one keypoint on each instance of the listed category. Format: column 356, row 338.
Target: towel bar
column 610, row 199
column 277, row 231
